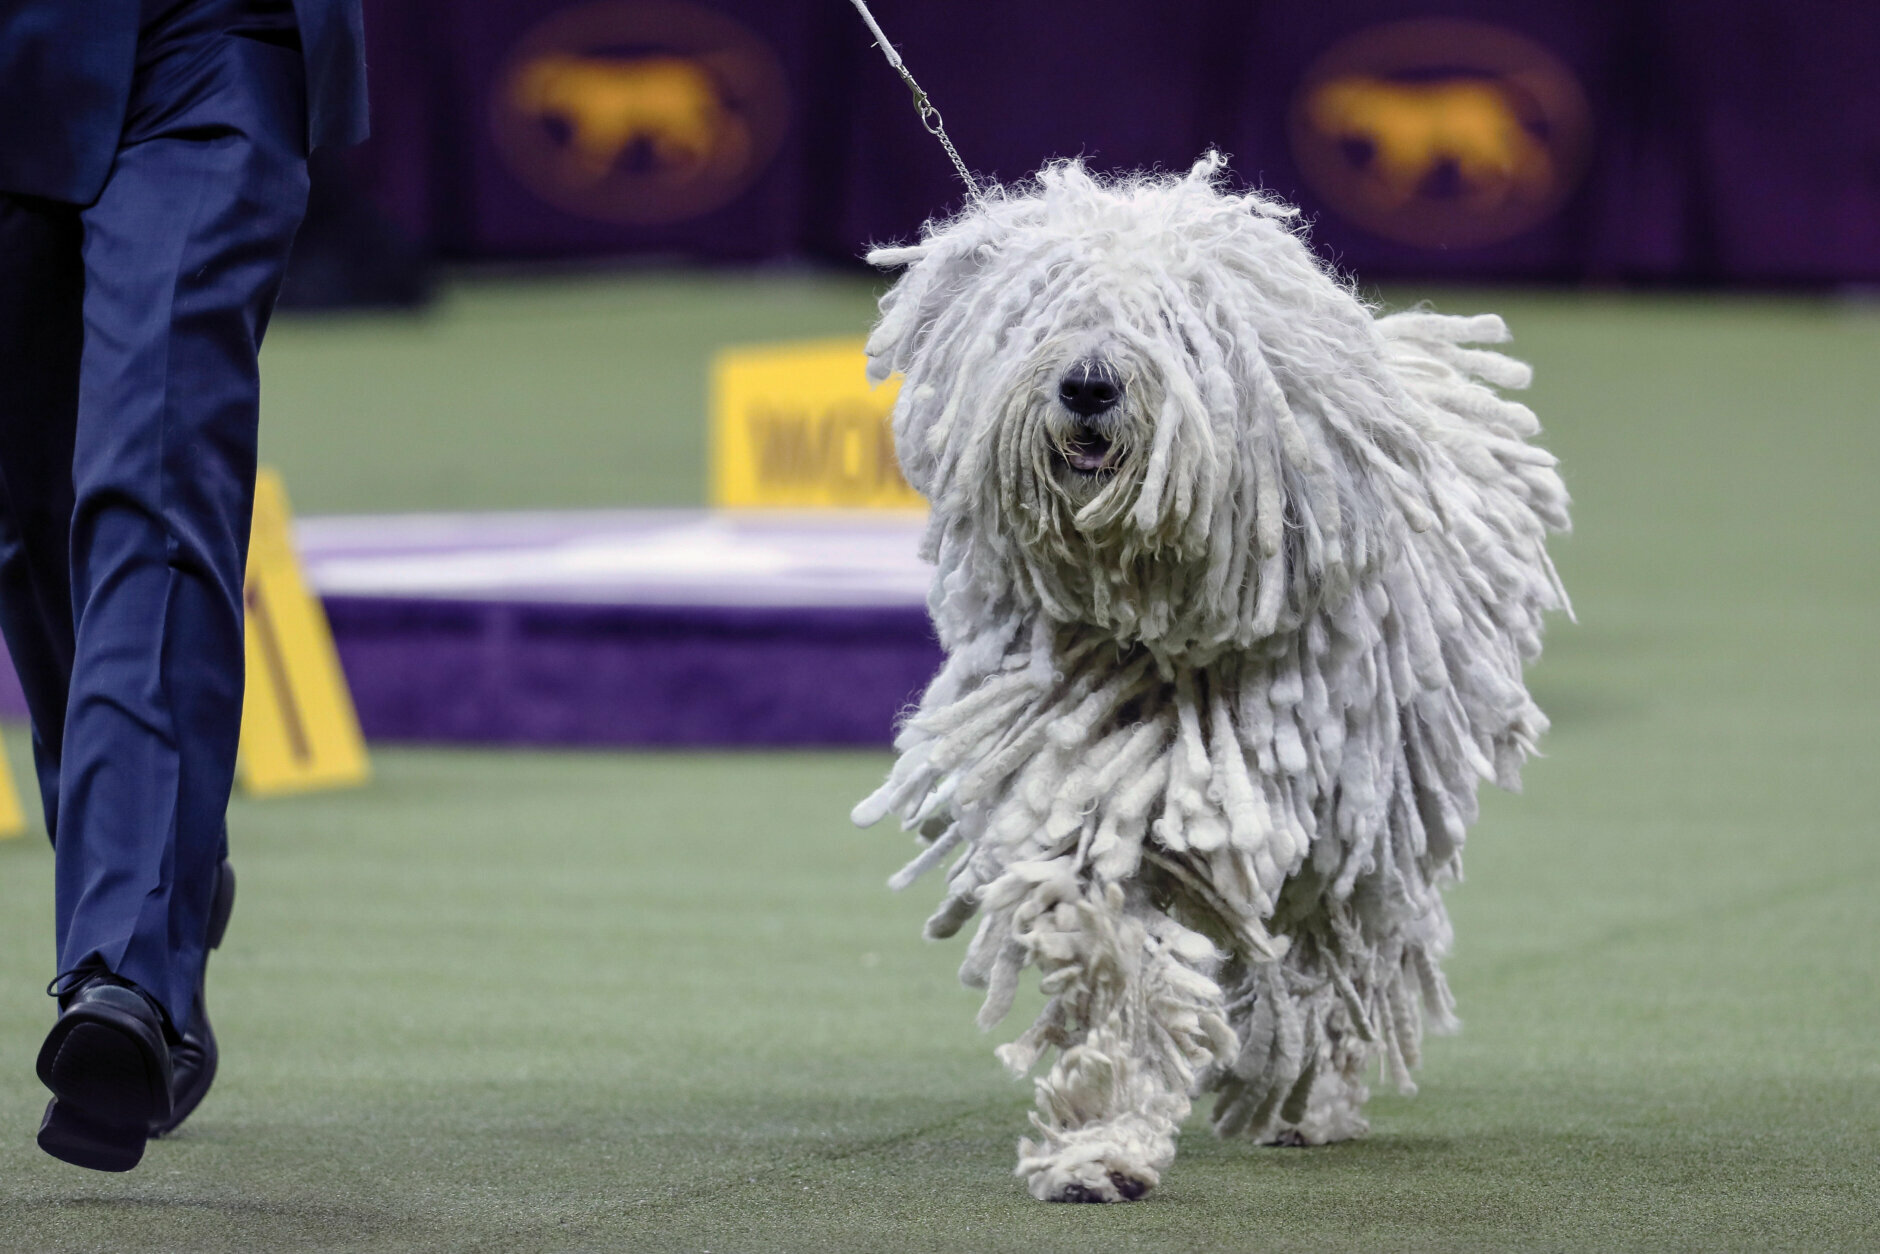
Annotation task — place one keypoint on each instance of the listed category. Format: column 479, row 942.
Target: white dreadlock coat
column 1210, row 727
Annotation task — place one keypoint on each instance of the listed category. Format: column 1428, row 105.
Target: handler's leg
column 41, row 284
column 183, row 258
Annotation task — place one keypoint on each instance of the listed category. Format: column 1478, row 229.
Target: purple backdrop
column 1731, row 140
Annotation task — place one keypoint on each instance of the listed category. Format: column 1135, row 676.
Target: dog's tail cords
column 929, row 116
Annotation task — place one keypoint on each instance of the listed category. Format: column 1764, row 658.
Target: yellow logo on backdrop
column 669, row 104
column 299, row 731
column 1414, row 128
column 1440, row 132
column 12, row 817
column 640, row 112
column 797, row 426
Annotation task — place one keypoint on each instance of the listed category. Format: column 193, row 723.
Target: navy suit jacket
column 65, row 81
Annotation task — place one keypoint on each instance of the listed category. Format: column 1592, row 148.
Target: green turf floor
column 663, row 1002
column 524, row 393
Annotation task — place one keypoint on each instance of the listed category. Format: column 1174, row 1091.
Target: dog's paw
column 1117, row 1161
column 1120, row 1188
column 1291, row 1138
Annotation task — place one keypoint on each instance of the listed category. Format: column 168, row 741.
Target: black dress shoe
column 107, row 1063
column 194, row 1059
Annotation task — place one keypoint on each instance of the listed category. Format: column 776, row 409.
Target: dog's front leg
column 1135, row 1015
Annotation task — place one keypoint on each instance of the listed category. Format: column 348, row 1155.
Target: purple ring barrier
column 12, row 700
column 654, row 628
column 572, row 674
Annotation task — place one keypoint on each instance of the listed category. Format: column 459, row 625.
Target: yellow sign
column 299, row 731
column 12, row 818
column 796, row 426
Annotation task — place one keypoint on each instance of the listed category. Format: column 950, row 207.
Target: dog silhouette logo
column 1441, row 133
column 639, row 113
column 660, row 113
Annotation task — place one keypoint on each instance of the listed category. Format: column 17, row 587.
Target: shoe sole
column 107, row 1089
column 70, row 1136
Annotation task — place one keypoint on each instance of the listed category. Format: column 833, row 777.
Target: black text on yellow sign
column 299, row 731
column 797, row 426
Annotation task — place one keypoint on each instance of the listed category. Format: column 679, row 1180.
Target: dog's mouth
column 1087, row 451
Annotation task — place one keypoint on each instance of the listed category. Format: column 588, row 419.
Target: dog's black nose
column 1088, row 388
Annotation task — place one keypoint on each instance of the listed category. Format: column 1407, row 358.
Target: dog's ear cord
column 929, row 116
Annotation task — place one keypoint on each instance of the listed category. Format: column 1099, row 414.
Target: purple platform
column 624, row 627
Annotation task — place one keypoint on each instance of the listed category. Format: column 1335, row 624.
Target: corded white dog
column 1236, row 582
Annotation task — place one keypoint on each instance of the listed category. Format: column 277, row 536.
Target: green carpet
column 525, row 393
column 663, row 1002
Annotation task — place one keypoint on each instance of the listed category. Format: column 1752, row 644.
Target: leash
column 929, row 116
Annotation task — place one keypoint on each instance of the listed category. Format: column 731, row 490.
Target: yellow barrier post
column 797, row 426
column 12, row 817
column 299, row 730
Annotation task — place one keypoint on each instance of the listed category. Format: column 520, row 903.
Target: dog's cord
column 929, row 116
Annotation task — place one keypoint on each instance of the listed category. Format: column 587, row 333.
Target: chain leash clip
column 923, row 105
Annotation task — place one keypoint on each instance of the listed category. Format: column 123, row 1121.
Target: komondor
column 1236, row 582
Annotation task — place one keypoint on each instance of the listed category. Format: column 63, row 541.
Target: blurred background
column 565, row 392
column 1564, row 141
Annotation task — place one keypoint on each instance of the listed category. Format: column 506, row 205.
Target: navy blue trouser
column 128, row 403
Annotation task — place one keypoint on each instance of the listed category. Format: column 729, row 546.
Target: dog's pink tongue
column 1087, row 455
